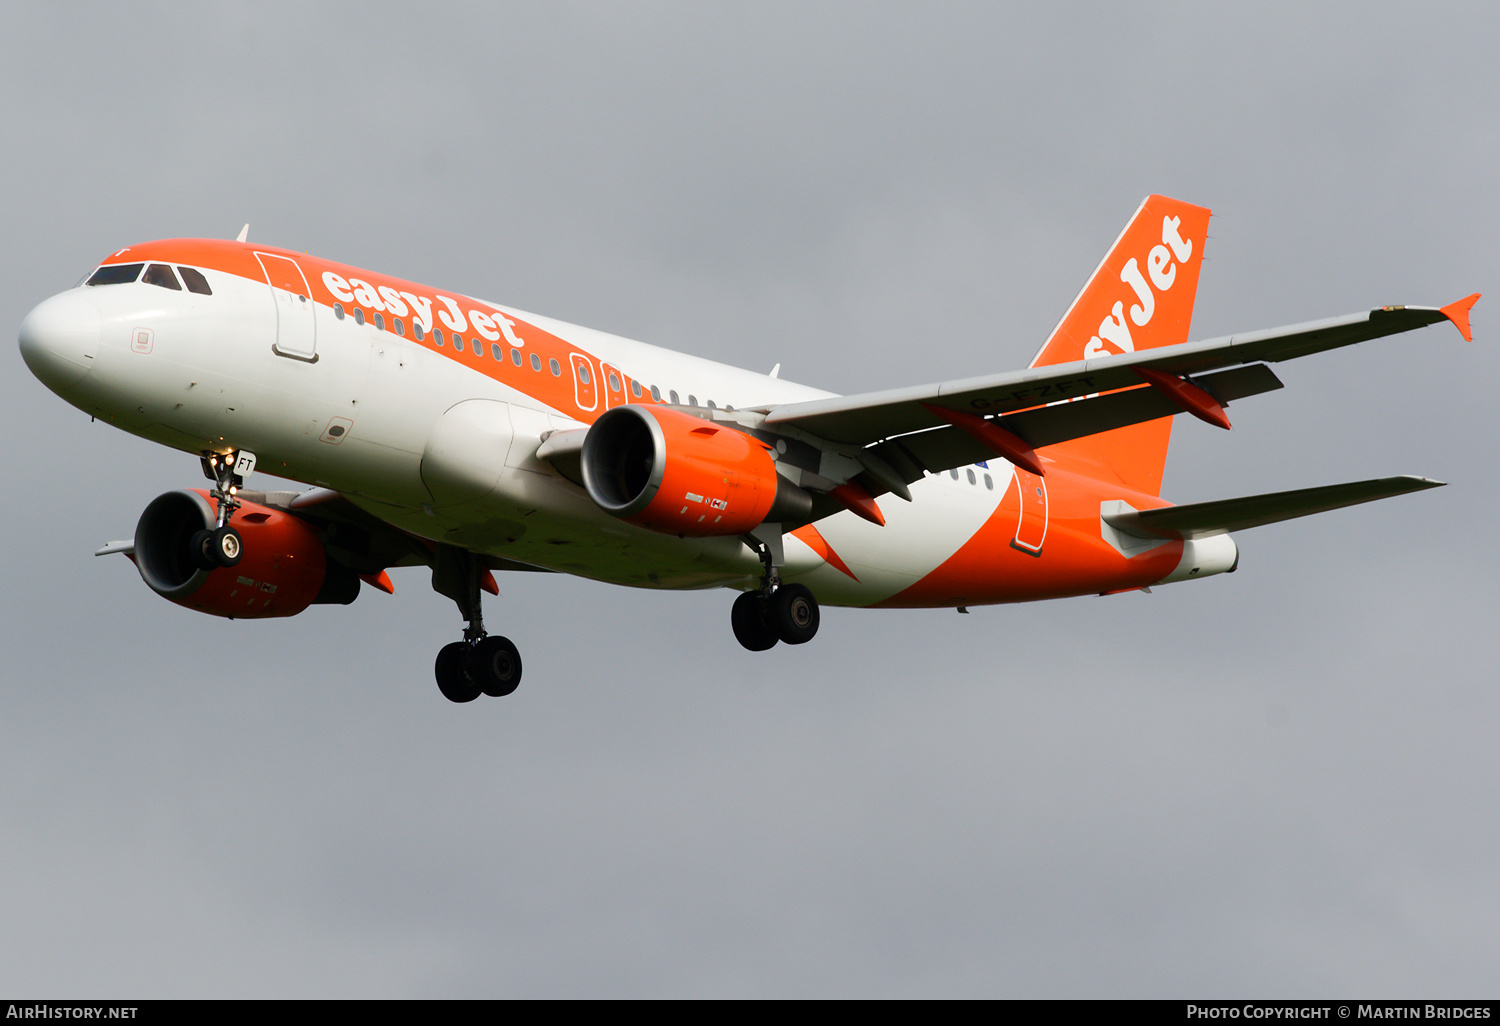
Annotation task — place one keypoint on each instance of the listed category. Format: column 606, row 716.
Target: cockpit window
column 116, row 274
column 194, row 280
column 161, row 274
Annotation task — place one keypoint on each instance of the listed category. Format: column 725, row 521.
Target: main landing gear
column 490, row 666
column 776, row 612
column 221, row 546
column 480, row 664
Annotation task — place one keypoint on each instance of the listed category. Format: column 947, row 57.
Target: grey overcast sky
column 1277, row 783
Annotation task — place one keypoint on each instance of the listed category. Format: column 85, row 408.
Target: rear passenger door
column 1031, row 527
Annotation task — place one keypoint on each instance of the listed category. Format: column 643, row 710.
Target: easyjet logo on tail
column 1114, row 329
column 1141, row 297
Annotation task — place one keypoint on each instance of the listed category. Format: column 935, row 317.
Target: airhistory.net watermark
column 45, row 1010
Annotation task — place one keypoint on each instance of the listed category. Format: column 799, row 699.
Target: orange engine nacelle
column 284, row 569
column 678, row 474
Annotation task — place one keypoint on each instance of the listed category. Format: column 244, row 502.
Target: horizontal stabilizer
column 1202, row 519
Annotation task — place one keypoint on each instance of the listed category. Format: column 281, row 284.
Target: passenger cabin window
column 515, row 357
column 536, row 362
column 400, row 328
column 478, row 347
column 556, row 368
column 635, row 388
column 380, row 321
column 416, row 330
column 116, row 274
column 656, row 393
column 194, row 280
column 583, row 374
column 972, row 479
column 338, row 310
column 673, row 396
column 359, row 315
column 437, row 335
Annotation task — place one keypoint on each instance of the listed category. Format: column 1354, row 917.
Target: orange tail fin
column 1141, row 297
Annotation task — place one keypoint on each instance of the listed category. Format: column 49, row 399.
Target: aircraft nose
column 60, row 338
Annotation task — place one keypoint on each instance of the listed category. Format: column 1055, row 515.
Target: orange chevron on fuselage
column 1071, row 559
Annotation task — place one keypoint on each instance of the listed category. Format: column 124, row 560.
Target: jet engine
column 283, row 570
column 679, row 474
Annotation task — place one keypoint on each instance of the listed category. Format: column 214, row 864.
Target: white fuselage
column 419, row 437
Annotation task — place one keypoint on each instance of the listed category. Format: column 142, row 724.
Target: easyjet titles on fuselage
column 384, row 298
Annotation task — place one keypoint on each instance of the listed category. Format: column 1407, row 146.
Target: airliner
column 434, row 429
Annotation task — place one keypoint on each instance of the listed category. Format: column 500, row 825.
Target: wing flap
column 1203, row 519
column 944, row 448
column 1049, row 425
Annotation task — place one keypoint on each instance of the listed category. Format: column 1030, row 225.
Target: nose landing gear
column 222, row 544
column 481, row 664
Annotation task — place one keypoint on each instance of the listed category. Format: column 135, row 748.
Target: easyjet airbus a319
column 440, row 430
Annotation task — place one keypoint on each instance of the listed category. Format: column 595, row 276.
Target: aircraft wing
column 355, row 539
column 916, row 438
column 359, row 540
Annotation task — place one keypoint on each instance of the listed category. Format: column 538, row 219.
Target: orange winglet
column 487, row 582
column 1187, row 395
column 1458, row 313
column 858, row 501
column 381, row 580
column 987, row 432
